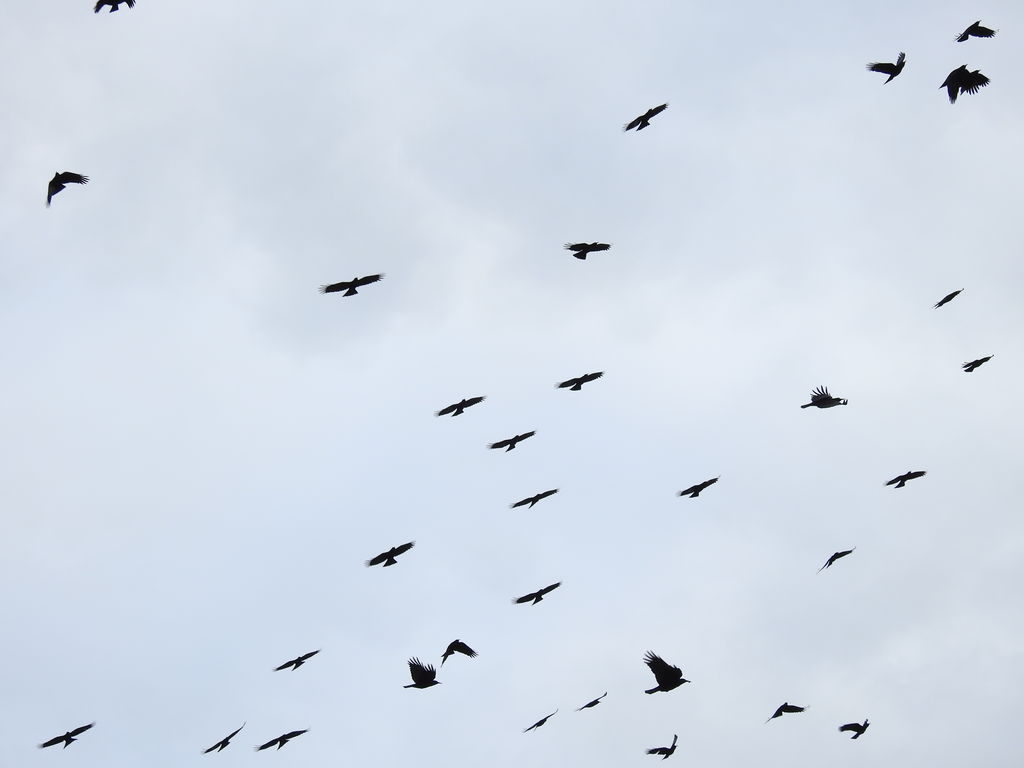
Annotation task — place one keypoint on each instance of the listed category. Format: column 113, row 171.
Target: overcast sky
column 200, row 451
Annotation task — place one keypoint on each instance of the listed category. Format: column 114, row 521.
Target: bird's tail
column 653, row 690
column 808, row 405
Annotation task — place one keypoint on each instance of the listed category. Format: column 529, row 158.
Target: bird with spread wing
column 665, row 752
column 220, row 745
column 889, row 69
column 297, row 662
column 349, row 286
column 457, row 409
column 667, row 675
column 388, row 558
column 581, row 250
column 59, row 180
column 67, row 737
column 422, row 675
column 457, row 646
column 536, row 597
column 644, row 120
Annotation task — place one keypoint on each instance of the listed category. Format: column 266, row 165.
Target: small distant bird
column 297, row 662
column 223, row 742
column 540, row 722
column 422, row 675
column 785, row 709
column 857, row 728
column 349, row 287
column 665, row 752
column 694, row 490
column 668, row 676
column 948, row 298
column 457, row 646
column 456, row 409
column 580, row 250
column 889, row 69
column 536, row 597
column 281, row 740
column 960, row 81
column 833, row 558
column 68, row 737
column 975, row 30
column 969, row 367
column 113, row 4
column 534, row 499
column 575, row 385
column 59, row 180
column 509, row 443
column 900, row 481
column 388, row 558
column 593, row 703
column 820, row 398
column 645, row 119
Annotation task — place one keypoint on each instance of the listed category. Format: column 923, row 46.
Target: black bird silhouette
column 857, row 728
column 113, row 4
column 281, row 740
column 900, row 481
column 531, row 500
column 694, row 490
column 388, row 558
column 785, row 709
column 969, row 367
column 960, row 81
column 536, row 597
column 575, row 385
column 975, row 30
column 68, row 737
column 645, row 119
column 668, row 676
column 889, row 69
column 59, row 180
column 820, row 398
column 665, row 752
column 297, row 661
column 580, row 250
column 456, row 409
column 457, row 646
column 592, row 703
column 540, row 722
column 349, row 286
column 948, row 298
column 422, row 675
column 509, row 443
column 223, row 742
column 833, row 558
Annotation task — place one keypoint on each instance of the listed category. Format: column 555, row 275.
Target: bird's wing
column 68, row 177
column 973, row 81
column 293, row 734
column 819, row 394
column 550, row 588
column 501, row 443
column 461, row 647
column 526, row 598
column 447, row 409
column 664, row 672
column 545, row 494
column 360, row 282
column 591, row 376
column 285, row 665
column 309, row 655
column 401, row 548
column 82, row 729
column 474, row 400
column 51, row 742
column 234, row 733
column 576, row 247
column 883, row 67
column 377, row 560
column 633, row 123
column 526, row 435
column 421, row 673
column 688, row 491
column 601, row 247
column 849, row 727
column 901, row 58
column 523, row 502
column 335, row 287
column 268, row 745
column 569, row 383
column 896, row 480
column 914, row 475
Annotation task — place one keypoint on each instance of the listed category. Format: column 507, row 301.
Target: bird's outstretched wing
column 458, row 646
column 421, row 673
column 502, row 443
column 592, row 702
column 883, row 67
column 550, row 588
column 360, row 282
column 666, row 674
column 948, row 298
column 51, row 742
column 335, row 287
column 972, row 81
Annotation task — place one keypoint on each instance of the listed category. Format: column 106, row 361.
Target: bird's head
column 844, row 401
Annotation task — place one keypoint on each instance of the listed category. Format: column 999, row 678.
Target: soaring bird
column 960, row 80
column 536, row 597
column 388, row 558
column 67, row 738
column 834, row 557
column 592, row 703
column 580, row 250
column 223, row 742
column 113, row 4
column 857, row 728
column 785, row 709
column 645, row 119
column 975, row 30
column 297, row 661
column 575, row 385
column 422, row 675
column 668, row 676
column 349, row 286
column 509, row 443
column 820, row 398
column 948, row 298
column 694, row 490
column 281, row 740
column 59, row 180
column 900, row 481
column 665, row 752
column 456, row 409
column 969, row 367
column 531, row 500
column 889, row 69
column 540, row 722
column 457, row 646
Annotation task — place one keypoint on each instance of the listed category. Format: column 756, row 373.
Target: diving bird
column 511, row 442
column 113, row 4
column 457, row 409
column 785, row 709
column 900, row 481
column 388, row 558
column 223, row 742
column 694, row 490
column 961, row 81
column 540, row 722
column 536, row 597
column 975, row 30
column 68, row 737
column 834, row 557
column 349, row 286
column 820, row 398
column 580, row 250
column 857, row 728
column 948, row 298
column 457, row 646
column 592, row 703
column 969, row 367
column 297, row 661
column 668, row 676
column 665, row 752
column 59, row 180
column 281, row 740
column 531, row 500
column 889, row 69
column 575, row 385
column 422, row 675
column 645, row 119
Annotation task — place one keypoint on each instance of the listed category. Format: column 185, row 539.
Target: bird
column 223, row 742
column 975, row 30
column 834, row 557
column 457, row 409
column 694, row 490
column 297, row 662
column 113, row 4
column 969, row 367
column 509, row 443
column 536, row 597
column 592, row 703
column 281, row 740
column 820, row 398
column 580, row 250
column 457, row 646
column 575, row 385
column 349, row 286
column 59, row 180
column 388, row 558
column 668, row 676
column 645, row 119
column 785, row 709
column 900, row 481
column 540, row 722
column 422, row 675
column 889, row 69
column 531, row 500
column 948, row 298
column 665, row 752
column 960, row 80
column 857, row 728
column 68, row 737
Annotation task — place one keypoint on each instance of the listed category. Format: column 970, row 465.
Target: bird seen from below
column 349, row 287
column 388, row 558
column 281, row 740
column 592, row 702
column 975, row 30
column 457, row 646
column 531, row 500
column 820, row 398
column 900, row 481
column 59, row 180
column 857, row 729
column 68, row 737
column 969, row 367
column 785, row 709
column 114, row 4
column 220, row 745
column 892, row 70
column 667, row 675
column 665, row 752
column 580, row 250
column 834, row 557
column 645, row 119
column 694, row 490
column 540, row 722
column 948, row 298
column 575, row 385
column 511, row 442
column 536, row 597
column 422, row 675
column 961, row 81
column 457, row 409
column 297, row 662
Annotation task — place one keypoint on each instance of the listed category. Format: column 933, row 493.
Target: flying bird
column 785, row 709
column 509, row 443
column 422, row 675
column 593, row 703
column 457, row 646
column 645, row 119
column 961, row 81
column 536, row 597
column 68, row 737
column 975, row 30
column 113, row 4
column 540, row 722
column 59, row 180
column 388, row 558
column 223, row 742
column 349, row 287
column 668, row 676
column 580, row 250
column 694, row 490
column 531, row 500
column 900, row 481
column 281, row 740
column 575, row 385
column 889, row 69
column 456, row 409
column 820, row 398
column 948, row 298
column 969, row 367
column 834, row 557
column 857, row 728
column 665, row 752
column 297, row 662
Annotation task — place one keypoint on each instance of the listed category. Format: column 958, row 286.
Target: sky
column 200, row 451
